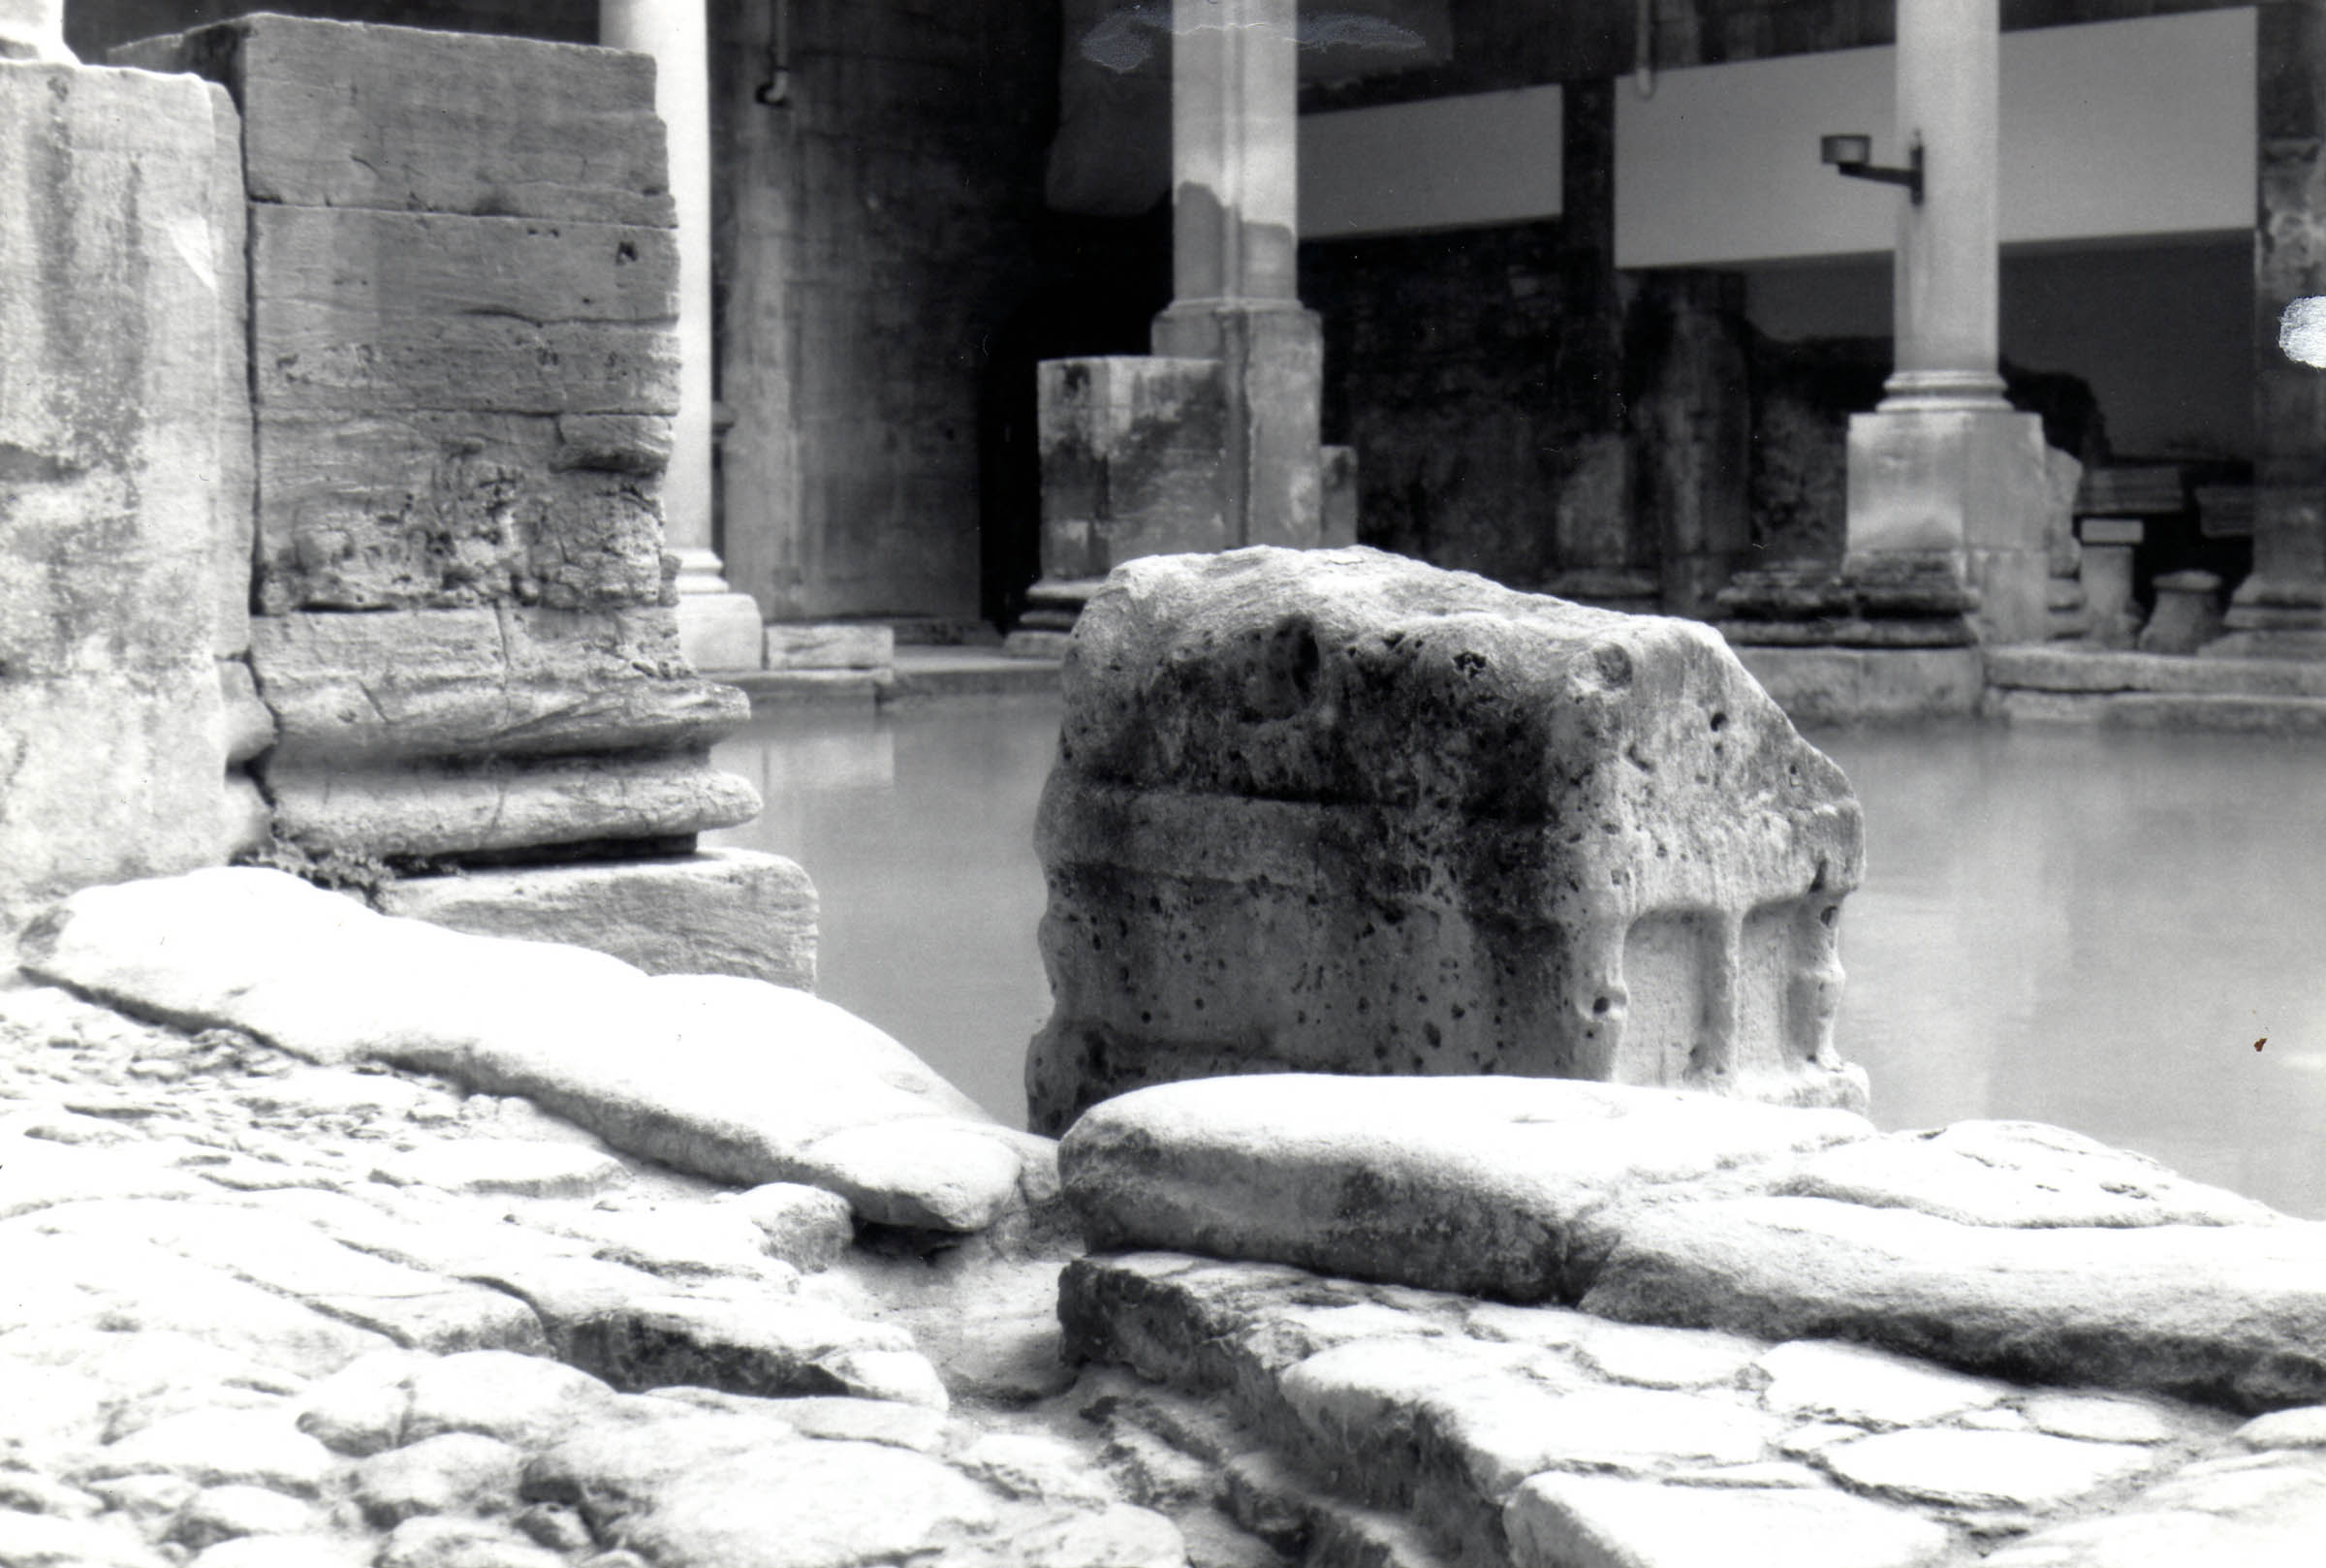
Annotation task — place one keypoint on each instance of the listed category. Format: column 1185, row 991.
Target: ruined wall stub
column 464, row 366
column 124, row 478
column 1339, row 811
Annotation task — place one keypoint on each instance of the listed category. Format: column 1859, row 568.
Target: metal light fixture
column 1852, row 156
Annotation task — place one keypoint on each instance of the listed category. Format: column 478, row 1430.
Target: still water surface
column 2068, row 927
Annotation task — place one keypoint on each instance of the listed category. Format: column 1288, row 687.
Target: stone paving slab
column 1999, row 1247
column 1496, row 1430
column 184, row 1380
column 727, row 1077
column 1491, row 1185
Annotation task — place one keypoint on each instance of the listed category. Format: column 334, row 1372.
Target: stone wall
column 876, row 236
column 1478, row 376
column 460, row 353
column 125, row 476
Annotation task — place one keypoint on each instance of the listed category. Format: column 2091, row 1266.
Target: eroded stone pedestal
column 1338, row 811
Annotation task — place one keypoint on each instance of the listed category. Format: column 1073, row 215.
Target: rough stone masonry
column 462, row 283
column 1338, row 811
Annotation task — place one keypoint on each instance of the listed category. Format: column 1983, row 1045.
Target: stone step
column 2227, row 711
column 1542, row 1438
column 2081, row 671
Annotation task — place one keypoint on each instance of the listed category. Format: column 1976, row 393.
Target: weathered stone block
column 454, row 731
column 431, row 266
column 1338, row 811
column 831, row 645
column 118, row 432
column 411, row 508
column 719, row 912
column 398, row 119
column 1272, row 358
column 1131, row 455
column 497, row 805
column 349, row 690
column 316, row 357
column 1480, row 1185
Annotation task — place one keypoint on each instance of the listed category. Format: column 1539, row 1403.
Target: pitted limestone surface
column 1339, row 811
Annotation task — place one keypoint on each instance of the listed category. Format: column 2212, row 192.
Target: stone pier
column 2279, row 610
column 125, row 474
column 1212, row 442
column 465, row 281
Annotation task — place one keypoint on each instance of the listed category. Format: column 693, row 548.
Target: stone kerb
column 462, row 356
column 1336, row 811
column 122, row 444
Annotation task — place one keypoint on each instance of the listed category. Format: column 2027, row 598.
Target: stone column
column 717, row 628
column 1946, row 484
column 2279, row 610
column 1235, row 97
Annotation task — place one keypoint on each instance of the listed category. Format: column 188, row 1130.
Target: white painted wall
column 2109, row 130
column 1442, row 162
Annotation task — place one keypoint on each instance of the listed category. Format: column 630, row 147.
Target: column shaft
column 1234, row 174
column 673, row 32
column 1946, row 271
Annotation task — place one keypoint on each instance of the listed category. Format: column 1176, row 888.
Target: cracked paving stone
column 1873, row 1387
column 213, row 1447
column 1975, row 1469
column 2252, row 1511
column 1585, row 1522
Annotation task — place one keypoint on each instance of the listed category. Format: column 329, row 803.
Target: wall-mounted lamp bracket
column 1852, row 157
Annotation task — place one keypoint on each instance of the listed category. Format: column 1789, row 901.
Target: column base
column 720, row 631
column 1974, row 481
column 1273, row 361
column 1864, row 685
column 1904, row 599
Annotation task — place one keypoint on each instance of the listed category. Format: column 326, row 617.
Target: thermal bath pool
column 2063, row 925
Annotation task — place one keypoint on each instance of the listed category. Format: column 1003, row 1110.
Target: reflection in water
column 2065, row 926
column 917, row 829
